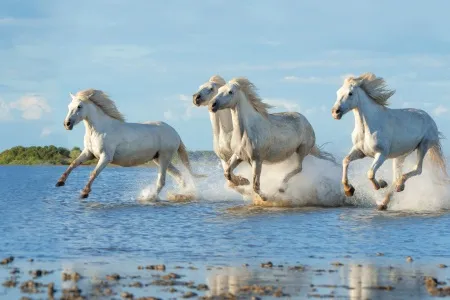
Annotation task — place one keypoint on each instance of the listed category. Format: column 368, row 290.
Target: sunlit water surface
column 53, row 226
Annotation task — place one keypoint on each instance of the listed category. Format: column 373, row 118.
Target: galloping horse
column 262, row 137
column 382, row 133
column 222, row 124
column 112, row 140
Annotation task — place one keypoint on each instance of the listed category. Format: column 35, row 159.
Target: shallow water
column 51, row 224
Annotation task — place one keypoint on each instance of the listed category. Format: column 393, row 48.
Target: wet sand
column 379, row 278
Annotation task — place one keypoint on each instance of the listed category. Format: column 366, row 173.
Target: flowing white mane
column 217, row 80
column 102, row 101
column 375, row 87
column 249, row 90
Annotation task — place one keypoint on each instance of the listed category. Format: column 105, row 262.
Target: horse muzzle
column 336, row 113
column 68, row 125
column 213, row 107
column 196, row 99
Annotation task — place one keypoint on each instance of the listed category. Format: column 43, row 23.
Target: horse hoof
column 400, row 188
column 382, row 207
column 60, row 183
column 382, row 183
column 350, row 192
column 243, row 181
column 84, row 195
column 230, row 184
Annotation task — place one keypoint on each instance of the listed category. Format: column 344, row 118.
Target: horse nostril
column 337, row 111
column 197, row 97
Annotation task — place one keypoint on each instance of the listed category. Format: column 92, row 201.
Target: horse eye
column 79, row 106
column 350, row 93
column 230, row 92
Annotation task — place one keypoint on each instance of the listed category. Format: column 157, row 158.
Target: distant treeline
column 52, row 155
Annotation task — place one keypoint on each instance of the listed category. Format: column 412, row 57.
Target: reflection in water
column 352, row 281
column 318, row 279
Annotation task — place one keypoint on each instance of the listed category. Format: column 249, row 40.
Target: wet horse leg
column 301, row 152
column 231, row 165
column 354, row 154
column 83, row 157
column 397, row 166
column 176, row 174
column 103, row 161
column 421, row 152
column 257, row 166
column 379, row 159
column 163, row 163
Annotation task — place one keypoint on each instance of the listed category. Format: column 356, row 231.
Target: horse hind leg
column 257, row 167
column 421, row 152
column 176, row 174
column 163, row 163
column 229, row 175
column 301, row 152
column 397, row 166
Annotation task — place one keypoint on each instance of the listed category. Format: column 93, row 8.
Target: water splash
column 422, row 193
column 319, row 184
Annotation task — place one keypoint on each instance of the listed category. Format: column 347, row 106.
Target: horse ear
column 72, row 96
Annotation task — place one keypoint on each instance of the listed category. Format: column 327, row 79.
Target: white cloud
column 169, row 115
column 440, row 110
column 184, row 97
column 32, row 107
column 46, row 131
column 185, row 111
column 271, row 43
column 5, row 111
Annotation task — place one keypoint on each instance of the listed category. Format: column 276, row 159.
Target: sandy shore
column 319, row 278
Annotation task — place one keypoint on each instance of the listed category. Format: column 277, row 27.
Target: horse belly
column 126, row 156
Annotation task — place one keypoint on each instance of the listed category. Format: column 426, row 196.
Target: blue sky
column 151, row 56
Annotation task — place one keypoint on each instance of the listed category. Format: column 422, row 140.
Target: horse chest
column 368, row 143
column 95, row 144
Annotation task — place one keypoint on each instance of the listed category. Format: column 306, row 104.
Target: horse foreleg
column 353, row 155
column 379, row 159
column 397, row 166
column 103, row 161
column 257, row 166
column 231, row 165
column 83, row 157
column 421, row 151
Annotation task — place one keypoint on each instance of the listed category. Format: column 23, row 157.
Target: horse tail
column 438, row 159
column 317, row 151
column 182, row 153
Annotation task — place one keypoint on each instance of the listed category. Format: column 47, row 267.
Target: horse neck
column 224, row 121
column 97, row 121
column 368, row 114
column 244, row 116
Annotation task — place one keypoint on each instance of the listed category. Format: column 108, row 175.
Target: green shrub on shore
column 52, row 155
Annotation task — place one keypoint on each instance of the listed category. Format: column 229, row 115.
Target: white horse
column 112, row 140
column 262, row 137
column 382, row 133
column 221, row 122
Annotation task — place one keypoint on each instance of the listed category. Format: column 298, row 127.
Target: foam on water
column 319, row 184
column 422, row 193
